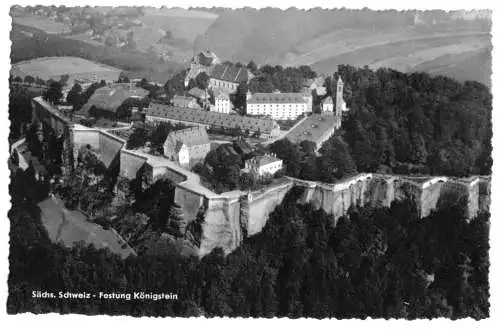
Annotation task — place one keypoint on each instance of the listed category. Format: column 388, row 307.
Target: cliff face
column 261, row 205
column 229, row 221
column 221, row 227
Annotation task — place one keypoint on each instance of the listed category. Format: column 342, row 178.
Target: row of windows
column 277, row 105
column 218, row 83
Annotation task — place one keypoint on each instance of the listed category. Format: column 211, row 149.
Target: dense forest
column 403, row 124
column 416, row 122
column 377, row 262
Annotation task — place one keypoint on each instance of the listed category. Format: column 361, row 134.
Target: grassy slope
column 324, row 39
column 44, row 45
column 267, row 36
column 185, row 26
column 42, row 23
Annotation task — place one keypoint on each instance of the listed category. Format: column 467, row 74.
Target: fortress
column 230, row 217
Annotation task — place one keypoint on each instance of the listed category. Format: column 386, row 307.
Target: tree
column 64, row 79
column 54, row 93
column 239, row 98
column 137, row 139
column 247, row 181
column 29, row 79
column 419, row 154
column 160, row 134
column 18, row 79
column 123, row 78
column 336, row 161
column 74, row 96
column 252, row 67
column 202, row 81
column 291, row 155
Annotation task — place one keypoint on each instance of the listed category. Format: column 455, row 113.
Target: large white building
column 279, row 106
column 262, row 165
column 222, row 102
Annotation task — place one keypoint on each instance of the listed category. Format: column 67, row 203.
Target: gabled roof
column 328, row 100
column 111, row 97
column 190, row 137
column 182, row 101
column 228, row 149
column 262, row 160
column 277, row 98
column 221, row 94
column 230, row 73
column 197, row 92
column 211, row 118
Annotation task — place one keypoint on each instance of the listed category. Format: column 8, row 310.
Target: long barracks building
column 158, row 112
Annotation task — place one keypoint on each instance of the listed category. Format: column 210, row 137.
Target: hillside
column 434, row 41
column 164, row 33
column 54, row 67
column 29, row 43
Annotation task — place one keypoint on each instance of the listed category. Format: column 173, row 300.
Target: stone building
column 228, row 77
column 187, row 146
column 221, row 75
column 266, row 128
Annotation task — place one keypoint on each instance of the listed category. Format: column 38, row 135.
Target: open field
column 406, row 61
column 343, row 42
column 53, row 67
column 425, row 54
column 31, row 43
column 42, row 23
column 182, row 23
column 474, row 65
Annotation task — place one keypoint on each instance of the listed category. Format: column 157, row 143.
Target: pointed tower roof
column 339, row 80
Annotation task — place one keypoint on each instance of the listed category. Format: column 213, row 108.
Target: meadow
column 53, row 67
column 42, row 23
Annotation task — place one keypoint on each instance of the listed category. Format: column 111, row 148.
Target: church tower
column 339, row 99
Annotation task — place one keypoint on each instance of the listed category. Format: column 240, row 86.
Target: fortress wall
column 172, row 175
column 380, row 192
column 221, row 227
column 130, row 163
column 86, row 137
column 429, row 199
column 44, row 112
column 484, row 190
column 454, row 191
column 260, row 207
column 110, row 146
column 189, row 201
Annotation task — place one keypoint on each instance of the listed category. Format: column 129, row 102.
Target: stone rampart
column 130, row 163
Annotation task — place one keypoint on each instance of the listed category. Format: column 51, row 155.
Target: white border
column 79, row 321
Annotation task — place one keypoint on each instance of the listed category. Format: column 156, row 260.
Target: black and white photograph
column 274, row 162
